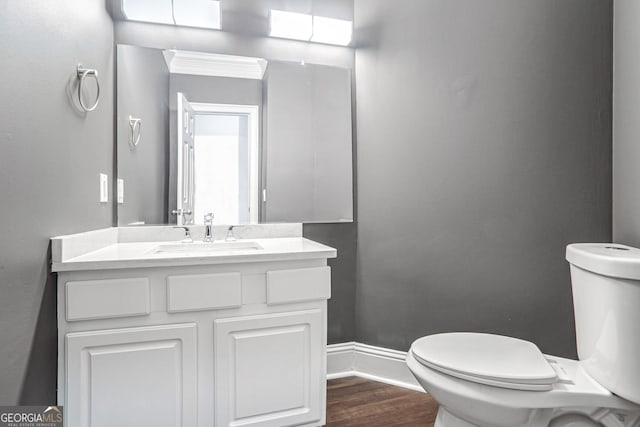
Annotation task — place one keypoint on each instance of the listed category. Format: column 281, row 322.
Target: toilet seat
column 487, row 359
column 575, row 389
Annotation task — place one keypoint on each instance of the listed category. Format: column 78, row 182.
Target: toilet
column 485, row 380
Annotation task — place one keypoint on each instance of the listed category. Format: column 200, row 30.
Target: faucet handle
column 187, row 234
column 230, row 237
column 208, row 218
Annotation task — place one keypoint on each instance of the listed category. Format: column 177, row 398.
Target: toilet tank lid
column 607, row 259
column 491, row 357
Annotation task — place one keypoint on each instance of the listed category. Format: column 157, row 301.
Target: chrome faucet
column 187, row 234
column 208, row 222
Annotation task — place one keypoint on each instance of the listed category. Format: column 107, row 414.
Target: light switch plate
column 120, row 191
column 104, row 188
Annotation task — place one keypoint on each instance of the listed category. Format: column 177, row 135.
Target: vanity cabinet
column 199, row 345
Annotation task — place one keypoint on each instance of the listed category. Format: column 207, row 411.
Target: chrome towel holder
column 134, row 137
column 82, row 74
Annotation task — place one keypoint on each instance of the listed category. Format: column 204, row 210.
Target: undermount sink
column 206, row 247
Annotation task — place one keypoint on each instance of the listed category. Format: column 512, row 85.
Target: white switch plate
column 104, row 188
column 120, row 191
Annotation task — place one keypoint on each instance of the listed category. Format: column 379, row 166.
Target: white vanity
column 155, row 332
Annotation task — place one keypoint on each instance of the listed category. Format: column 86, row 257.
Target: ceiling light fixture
column 318, row 29
column 158, row 12
column 188, row 13
column 290, row 25
column 332, row 31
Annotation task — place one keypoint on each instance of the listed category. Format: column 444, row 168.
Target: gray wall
column 341, row 317
column 486, row 129
column 51, row 157
column 143, row 92
column 626, row 126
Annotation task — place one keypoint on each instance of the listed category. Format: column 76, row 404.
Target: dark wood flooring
column 354, row 401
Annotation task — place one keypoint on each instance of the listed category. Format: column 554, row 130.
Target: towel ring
column 82, row 75
column 134, row 137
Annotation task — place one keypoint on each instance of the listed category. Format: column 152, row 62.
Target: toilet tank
column 605, row 279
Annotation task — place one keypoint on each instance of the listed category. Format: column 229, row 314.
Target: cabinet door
column 270, row 370
column 132, row 377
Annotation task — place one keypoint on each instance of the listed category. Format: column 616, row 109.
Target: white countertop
column 143, row 254
column 81, row 252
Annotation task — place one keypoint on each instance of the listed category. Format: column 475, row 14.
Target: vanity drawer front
column 305, row 284
column 98, row 299
column 203, row 292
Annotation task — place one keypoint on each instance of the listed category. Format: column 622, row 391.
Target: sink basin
column 200, row 247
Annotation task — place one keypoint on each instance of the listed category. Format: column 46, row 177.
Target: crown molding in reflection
column 214, row 65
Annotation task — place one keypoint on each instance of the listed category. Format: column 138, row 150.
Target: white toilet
column 495, row 381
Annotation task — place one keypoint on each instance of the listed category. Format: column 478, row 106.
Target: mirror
column 247, row 139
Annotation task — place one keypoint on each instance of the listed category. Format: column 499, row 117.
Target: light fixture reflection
column 332, row 31
column 290, row 25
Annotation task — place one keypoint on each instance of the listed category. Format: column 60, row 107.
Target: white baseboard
column 367, row 361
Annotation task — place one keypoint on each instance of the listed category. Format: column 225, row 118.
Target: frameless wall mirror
column 248, row 139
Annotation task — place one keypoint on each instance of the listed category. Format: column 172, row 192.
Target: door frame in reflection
column 252, row 112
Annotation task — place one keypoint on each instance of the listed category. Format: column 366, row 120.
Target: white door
column 143, row 377
column 186, row 166
column 269, row 370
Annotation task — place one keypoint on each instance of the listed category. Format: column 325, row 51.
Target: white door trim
column 367, row 361
column 253, row 114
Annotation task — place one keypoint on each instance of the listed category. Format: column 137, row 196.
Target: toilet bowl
column 485, row 380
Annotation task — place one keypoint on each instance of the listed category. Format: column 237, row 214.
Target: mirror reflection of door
column 224, row 170
column 186, row 153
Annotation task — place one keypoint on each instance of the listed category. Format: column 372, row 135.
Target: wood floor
column 354, row 401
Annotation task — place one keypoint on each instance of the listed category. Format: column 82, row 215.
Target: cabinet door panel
column 269, row 369
column 283, row 353
column 137, row 376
